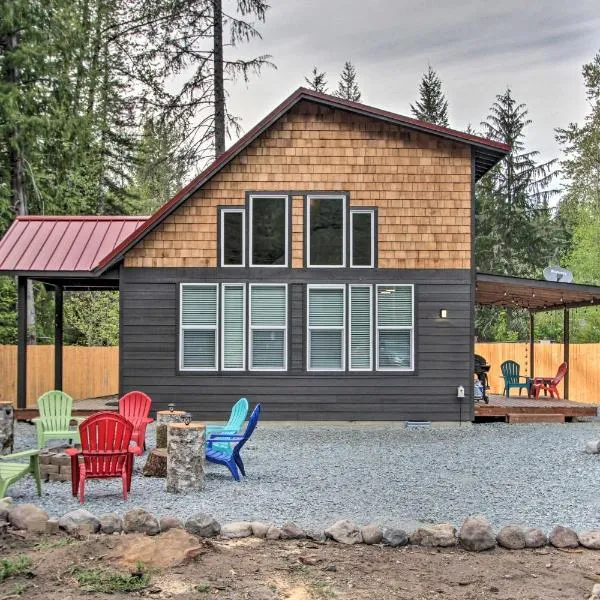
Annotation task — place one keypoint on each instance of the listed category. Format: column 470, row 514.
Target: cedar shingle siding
column 421, row 185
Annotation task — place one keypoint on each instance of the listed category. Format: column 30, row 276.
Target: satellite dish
column 558, row 274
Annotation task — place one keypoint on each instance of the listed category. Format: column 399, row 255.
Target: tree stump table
column 163, row 418
column 7, row 428
column 185, row 457
column 156, row 463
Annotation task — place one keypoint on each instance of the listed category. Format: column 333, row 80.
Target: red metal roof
column 486, row 153
column 59, row 244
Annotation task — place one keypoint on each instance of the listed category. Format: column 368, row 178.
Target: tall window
column 326, row 328
column 362, row 238
column 361, row 318
column 233, row 237
column 268, row 231
column 198, row 316
column 268, row 327
column 233, row 327
column 326, row 235
column 395, row 327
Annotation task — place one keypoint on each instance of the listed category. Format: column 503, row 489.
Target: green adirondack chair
column 11, row 471
column 235, row 423
column 512, row 377
column 55, row 418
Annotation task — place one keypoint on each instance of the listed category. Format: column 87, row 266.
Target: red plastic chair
column 549, row 386
column 105, row 452
column 135, row 406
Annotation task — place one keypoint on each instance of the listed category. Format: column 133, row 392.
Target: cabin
column 323, row 266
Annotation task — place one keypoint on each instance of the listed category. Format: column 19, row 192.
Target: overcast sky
column 478, row 47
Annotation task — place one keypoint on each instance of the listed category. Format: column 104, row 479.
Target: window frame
column 183, row 328
column 222, row 212
column 372, row 212
column 342, row 328
column 369, row 286
column 286, row 199
column 410, row 328
column 344, row 198
column 268, row 328
column 222, row 326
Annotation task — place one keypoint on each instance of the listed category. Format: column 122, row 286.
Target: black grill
column 481, row 369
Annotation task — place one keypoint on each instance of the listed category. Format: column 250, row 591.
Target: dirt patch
column 300, row 570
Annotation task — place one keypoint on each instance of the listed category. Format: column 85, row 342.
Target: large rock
column 238, row 529
column 535, row 538
column 203, row 525
column 476, row 534
column 138, row 520
column 167, row 522
column 563, row 537
column 79, row 522
column 511, row 537
column 345, row 532
column 259, row 529
column 316, row 535
column 394, row 537
column 442, row 535
column 28, row 517
column 273, row 533
column 371, row 534
column 590, row 539
column 291, row 531
column 111, row 523
column 592, row 447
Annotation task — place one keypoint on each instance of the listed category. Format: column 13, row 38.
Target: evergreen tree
column 432, row 105
column 347, row 86
column 317, row 82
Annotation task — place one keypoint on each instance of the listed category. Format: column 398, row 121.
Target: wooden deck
column 527, row 408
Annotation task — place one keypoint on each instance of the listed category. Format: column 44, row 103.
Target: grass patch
column 9, row 567
column 203, row 587
column 18, row 589
column 110, row 582
column 46, row 544
column 321, row 589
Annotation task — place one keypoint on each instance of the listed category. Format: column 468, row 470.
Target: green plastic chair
column 55, row 418
column 235, row 423
column 11, row 471
column 512, row 377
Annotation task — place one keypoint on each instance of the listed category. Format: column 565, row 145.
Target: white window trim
column 183, row 327
column 396, row 328
column 354, row 211
column 268, row 328
column 341, row 328
column 224, row 211
column 222, row 327
column 344, row 199
column 370, row 288
column 285, row 197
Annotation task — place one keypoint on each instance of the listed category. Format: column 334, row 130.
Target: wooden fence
column 584, row 365
column 93, row 372
column 89, row 372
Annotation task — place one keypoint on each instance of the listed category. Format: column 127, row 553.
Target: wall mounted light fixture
column 443, row 313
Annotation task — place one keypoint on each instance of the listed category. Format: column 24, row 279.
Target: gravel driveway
column 535, row 475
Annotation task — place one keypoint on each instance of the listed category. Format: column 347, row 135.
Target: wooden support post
column 566, row 342
column 58, row 338
column 185, row 457
column 531, row 343
column 22, row 342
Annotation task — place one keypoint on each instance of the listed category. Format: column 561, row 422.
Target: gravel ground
column 534, row 475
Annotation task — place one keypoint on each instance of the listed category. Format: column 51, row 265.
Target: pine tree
column 347, row 86
column 317, row 82
column 432, row 105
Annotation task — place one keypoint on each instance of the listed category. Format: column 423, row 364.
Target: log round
column 7, row 428
column 185, row 457
column 156, row 464
column 163, row 418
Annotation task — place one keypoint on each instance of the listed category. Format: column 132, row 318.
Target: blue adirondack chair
column 234, row 425
column 230, row 457
column 512, row 377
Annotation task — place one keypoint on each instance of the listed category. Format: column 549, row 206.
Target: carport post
column 21, row 342
column 531, row 343
column 566, row 327
column 58, row 338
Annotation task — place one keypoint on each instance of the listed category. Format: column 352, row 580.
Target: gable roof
column 486, row 154
column 51, row 244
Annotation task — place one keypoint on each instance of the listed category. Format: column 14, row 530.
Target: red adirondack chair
column 105, row 452
column 549, row 385
column 135, row 407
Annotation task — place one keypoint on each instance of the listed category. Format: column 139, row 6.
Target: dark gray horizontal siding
column 443, row 351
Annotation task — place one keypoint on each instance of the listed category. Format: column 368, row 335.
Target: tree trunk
column 218, row 77
column 156, row 465
column 185, row 457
